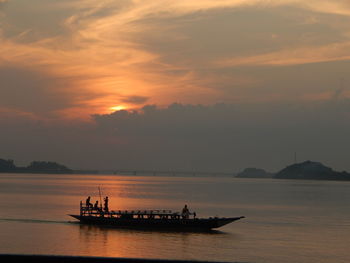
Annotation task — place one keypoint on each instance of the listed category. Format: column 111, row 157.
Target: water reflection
column 152, row 231
column 140, row 243
column 93, row 238
column 286, row 221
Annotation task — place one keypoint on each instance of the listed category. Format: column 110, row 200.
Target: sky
column 195, row 85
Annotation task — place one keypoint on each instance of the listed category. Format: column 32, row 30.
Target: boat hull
column 197, row 224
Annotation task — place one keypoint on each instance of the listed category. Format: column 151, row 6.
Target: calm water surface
column 286, row 220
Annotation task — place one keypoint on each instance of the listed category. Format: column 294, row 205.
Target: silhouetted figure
column 194, row 215
column 106, row 204
column 87, row 203
column 96, row 205
column 185, row 213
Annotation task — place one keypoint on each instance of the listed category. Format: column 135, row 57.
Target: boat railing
column 144, row 212
column 89, row 210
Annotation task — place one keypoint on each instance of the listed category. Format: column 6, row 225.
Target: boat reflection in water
column 147, row 243
column 150, row 219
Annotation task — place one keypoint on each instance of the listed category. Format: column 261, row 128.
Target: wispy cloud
column 301, row 55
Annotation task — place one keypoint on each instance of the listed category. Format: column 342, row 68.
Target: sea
column 285, row 220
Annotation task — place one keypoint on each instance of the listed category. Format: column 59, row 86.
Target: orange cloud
column 104, row 63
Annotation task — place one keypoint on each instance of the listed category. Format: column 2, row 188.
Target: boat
column 149, row 219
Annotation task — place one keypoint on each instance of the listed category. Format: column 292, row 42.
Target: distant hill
column 47, row 167
column 311, row 170
column 8, row 166
column 254, row 173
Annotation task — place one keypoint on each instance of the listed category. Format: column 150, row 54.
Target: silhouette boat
column 150, row 219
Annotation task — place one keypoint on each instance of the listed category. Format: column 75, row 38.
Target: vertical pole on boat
column 99, row 191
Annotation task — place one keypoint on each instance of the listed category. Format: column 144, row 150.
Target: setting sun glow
column 117, row 108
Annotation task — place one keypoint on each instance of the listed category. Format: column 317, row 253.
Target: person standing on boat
column 87, row 203
column 106, row 204
column 185, row 213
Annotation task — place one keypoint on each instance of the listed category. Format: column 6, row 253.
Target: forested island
column 313, row 171
column 8, row 166
column 307, row 170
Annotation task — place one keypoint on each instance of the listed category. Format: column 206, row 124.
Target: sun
column 117, row 108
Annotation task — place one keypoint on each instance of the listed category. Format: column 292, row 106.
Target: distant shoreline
column 307, row 170
column 39, row 167
column 92, row 172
